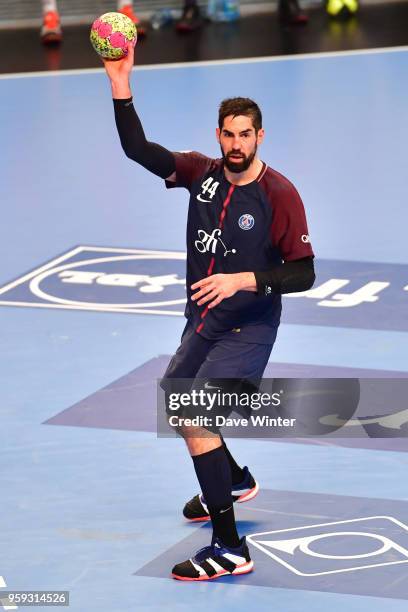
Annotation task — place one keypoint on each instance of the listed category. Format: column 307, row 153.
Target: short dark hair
column 240, row 106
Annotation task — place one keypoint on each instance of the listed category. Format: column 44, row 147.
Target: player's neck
column 243, row 178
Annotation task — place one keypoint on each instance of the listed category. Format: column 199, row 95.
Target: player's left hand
column 215, row 288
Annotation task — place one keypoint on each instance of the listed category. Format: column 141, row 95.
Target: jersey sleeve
column 289, row 230
column 189, row 167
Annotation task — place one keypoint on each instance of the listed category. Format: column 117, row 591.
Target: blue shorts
column 228, row 363
column 227, row 358
column 198, row 357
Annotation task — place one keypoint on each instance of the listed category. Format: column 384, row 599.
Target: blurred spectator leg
column 51, row 33
column 191, row 18
column 290, row 13
column 126, row 8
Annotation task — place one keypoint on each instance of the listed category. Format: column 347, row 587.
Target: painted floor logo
column 104, row 279
column 346, row 293
column 341, row 546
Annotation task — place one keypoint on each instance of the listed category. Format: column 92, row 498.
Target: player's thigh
column 235, row 360
column 183, row 368
column 231, row 368
column 189, row 356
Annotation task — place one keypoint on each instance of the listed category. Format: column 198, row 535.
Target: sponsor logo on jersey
column 246, row 222
column 207, row 243
column 305, row 238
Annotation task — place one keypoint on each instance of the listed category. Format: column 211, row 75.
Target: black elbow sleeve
column 150, row 155
column 290, row 277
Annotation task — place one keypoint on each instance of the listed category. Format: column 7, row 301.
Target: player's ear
column 260, row 136
column 217, row 134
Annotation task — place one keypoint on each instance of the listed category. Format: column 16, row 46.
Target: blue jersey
column 231, row 229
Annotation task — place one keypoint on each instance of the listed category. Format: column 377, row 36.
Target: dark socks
column 214, row 475
column 224, row 526
column 237, row 474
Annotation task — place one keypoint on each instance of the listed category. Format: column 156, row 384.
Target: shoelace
column 204, row 553
column 213, row 550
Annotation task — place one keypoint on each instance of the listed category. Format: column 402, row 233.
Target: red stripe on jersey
column 225, row 205
column 211, row 266
column 212, row 262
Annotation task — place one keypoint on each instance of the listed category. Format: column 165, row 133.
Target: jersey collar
column 262, row 172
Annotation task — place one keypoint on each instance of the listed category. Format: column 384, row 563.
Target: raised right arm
column 150, row 155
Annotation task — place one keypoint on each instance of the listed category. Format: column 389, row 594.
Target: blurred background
column 211, row 30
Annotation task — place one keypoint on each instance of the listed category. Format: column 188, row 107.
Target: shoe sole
column 244, row 498
column 250, row 495
column 198, row 519
column 51, row 38
column 242, row 569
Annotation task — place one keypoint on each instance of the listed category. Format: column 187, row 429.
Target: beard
column 241, row 165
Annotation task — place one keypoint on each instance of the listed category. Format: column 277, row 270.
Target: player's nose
column 236, row 144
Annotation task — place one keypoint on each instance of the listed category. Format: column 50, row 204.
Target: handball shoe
column 51, row 33
column 196, row 509
column 290, row 13
column 190, row 20
column 129, row 12
column 215, row 561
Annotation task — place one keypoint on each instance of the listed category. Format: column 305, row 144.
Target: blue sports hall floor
column 91, row 497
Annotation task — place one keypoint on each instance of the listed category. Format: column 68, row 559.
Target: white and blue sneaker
column 215, row 561
column 196, row 509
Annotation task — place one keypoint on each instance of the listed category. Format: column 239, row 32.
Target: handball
column 110, row 35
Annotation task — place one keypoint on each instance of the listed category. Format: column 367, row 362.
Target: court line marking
column 2, row 604
column 95, row 309
column 306, row 516
column 18, row 281
column 208, row 63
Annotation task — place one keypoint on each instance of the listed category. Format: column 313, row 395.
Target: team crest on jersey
column 246, row 222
